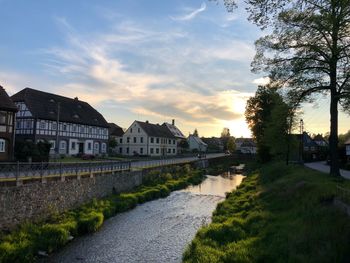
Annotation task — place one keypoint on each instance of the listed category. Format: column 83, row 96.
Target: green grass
column 23, row 244
column 278, row 214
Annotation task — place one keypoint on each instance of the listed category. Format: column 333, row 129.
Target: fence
column 26, row 171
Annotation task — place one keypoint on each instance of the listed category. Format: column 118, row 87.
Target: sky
column 152, row 60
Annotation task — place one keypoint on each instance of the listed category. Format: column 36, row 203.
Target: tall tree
column 258, row 115
column 307, row 52
column 225, row 133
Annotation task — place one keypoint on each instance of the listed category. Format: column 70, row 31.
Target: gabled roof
column 174, row 130
column 212, row 141
column 5, row 101
column 320, row 138
column 155, row 130
column 44, row 105
column 115, row 130
column 307, row 140
column 198, row 140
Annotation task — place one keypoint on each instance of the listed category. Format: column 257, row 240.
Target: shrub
column 51, row 237
column 89, row 222
column 19, row 251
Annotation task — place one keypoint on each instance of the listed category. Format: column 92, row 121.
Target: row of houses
column 73, row 127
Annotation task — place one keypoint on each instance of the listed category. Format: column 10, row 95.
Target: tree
column 225, row 133
column 310, row 45
column 269, row 118
column 195, row 133
column 231, row 145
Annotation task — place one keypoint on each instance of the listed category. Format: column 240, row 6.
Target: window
column 89, row 146
column 128, row 139
column 152, row 140
column 54, row 126
column 53, row 145
column 157, row 140
column 62, row 145
column 131, row 130
column 42, row 125
column 96, row 147
column 2, row 145
column 3, row 117
column 157, row 150
column 121, row 140
column 141, row 139
column 127, row 150
column 82, row 130
column 169, row 141
column 120, row 150
column 141, row 150
column 173, row 150
column 18, row 124
column 64, row 127
column 28, row 124
column 169, row 150
column 90, row 130
column 151, row 150
column 138, row 130
column 173, row 141
column 104, row 147
column 73, row 145
column 134, row 139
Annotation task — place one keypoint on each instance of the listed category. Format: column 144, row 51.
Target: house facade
column 7, row 126
column 246, row 145
column 177, row 134
column 70, row 125
column 214, row 144
column 144, row 138
column 196, row 143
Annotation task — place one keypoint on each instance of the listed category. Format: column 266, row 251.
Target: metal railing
column 25, row 171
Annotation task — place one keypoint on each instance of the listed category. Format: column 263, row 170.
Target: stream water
column 157, row 231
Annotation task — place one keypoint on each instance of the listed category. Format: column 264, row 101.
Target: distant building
column 347, row 148
column 246, row 145
column 116, row 133
column 7, row 126
column 214, row 144
column 320, row 140
column 177, row 134
column 70, row 125
column 144, row 138
column 196, row 143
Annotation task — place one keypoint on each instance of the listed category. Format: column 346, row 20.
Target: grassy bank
column 278, row 214
column 23, row 244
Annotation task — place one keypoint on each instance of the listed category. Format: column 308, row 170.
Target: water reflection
column 217, row 185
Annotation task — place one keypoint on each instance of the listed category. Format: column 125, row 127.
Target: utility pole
column 58, row 128
column 301, row 127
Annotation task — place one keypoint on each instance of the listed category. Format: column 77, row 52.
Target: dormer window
column 79, row 106
column 76, row 116
column 52, row 100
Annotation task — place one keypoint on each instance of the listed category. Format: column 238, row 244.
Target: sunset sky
column 150, row 60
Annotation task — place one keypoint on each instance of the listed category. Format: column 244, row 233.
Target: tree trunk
column 333, row 139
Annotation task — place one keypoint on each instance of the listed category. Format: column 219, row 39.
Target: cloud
column 190, row 15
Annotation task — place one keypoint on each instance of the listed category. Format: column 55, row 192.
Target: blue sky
column 153, row 60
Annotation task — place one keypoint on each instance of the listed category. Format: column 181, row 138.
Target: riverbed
column 157, row 231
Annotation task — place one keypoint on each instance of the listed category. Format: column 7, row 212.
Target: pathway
column 324, row 168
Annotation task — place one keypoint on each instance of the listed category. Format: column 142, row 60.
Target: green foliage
column 89, row 222
column 231, row 145
column 51, row 237
column 278, row 214
column 39, row 152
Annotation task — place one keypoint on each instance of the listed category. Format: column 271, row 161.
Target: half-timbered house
column 71, row 126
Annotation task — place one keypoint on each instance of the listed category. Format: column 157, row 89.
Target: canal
column 157, row 231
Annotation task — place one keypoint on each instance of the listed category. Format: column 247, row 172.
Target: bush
column 51, row 237
column 89, row 222
column 20, row 251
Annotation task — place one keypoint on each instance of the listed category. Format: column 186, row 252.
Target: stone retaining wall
column 35, row 201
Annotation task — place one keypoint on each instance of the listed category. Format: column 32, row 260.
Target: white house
column 246, row 145
column 195, row 143
column 144, row 138
column 70, row 125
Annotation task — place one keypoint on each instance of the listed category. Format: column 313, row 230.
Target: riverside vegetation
column 23, row 244
column 278, row 214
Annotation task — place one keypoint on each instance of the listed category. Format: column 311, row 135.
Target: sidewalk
column 322, row 167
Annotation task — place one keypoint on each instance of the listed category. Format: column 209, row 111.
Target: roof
column 307, row 140
column 248, row 144
column 174, row 130
column 212, row 141
column 320, row 138
column 115, row 130
column 44, row 105
column 155, row 130
column 198, row 140
column 242, row 140
column 5, row 101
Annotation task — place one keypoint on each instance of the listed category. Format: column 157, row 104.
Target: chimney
column 173, row 122
column 147, row 121
column 76, row 98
